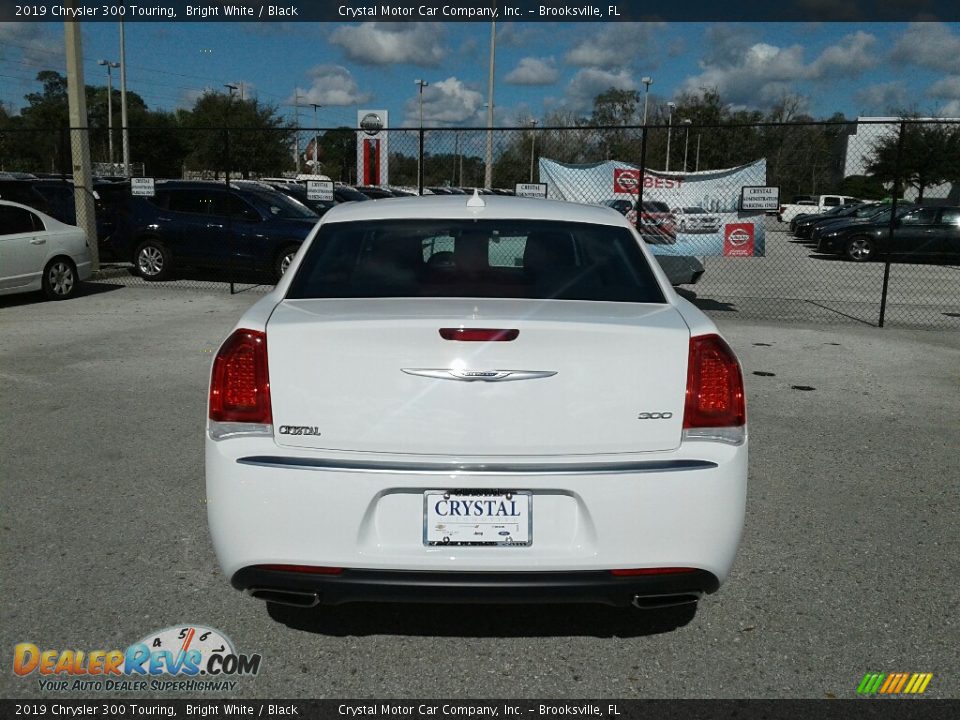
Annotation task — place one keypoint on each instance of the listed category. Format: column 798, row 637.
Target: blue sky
column 856, row 69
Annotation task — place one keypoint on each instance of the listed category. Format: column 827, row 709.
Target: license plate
column 481, row 518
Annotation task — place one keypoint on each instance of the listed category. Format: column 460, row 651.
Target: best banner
column 693, row 213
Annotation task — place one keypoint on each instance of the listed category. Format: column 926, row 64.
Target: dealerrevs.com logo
column 185, row 658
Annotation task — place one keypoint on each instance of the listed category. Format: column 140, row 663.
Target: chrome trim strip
column 499, row 468
column 481, row 375
column 227, row 430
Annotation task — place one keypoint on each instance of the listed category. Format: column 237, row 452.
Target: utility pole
column 123, row 103
column 296, row 122
column 80, row 138
column 488, row 172
column 316, row 137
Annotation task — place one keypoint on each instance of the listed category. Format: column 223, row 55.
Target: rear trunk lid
column 373, row 375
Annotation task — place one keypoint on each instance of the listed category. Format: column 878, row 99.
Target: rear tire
column 860, row 249
column 153, row 261
column 60, row 279
column 283, row 260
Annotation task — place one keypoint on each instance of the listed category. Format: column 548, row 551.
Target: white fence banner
column 697, row 213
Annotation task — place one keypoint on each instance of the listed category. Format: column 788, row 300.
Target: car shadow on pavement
column 705, row 304
column 37, row 297
column 503, row 621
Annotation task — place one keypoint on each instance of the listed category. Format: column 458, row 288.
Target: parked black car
column 207, row 225
column 55, row 197
column 299, row 193
column 803, row 219
column 930, row 232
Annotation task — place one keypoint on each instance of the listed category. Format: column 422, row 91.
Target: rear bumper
column 352, row 585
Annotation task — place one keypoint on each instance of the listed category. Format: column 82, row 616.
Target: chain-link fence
column 861, row 228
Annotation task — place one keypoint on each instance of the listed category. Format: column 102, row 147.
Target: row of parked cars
column 862, row 232
column 248, row 227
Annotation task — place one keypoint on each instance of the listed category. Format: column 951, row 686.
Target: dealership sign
column 372, row 158
column 738, row 240
column 753, row 197
column 534, row 190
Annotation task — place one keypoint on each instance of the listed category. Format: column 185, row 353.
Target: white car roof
column 444, row 207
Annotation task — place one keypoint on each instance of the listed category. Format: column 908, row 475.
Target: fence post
column 420, row 164
column 226, row 180
column 893, row 222
column 64, row 151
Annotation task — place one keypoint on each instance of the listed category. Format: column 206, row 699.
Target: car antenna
column 476, row 200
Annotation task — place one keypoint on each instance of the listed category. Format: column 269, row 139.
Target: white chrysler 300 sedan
column 461, row 399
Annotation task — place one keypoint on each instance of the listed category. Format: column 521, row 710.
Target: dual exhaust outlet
column 298, row 599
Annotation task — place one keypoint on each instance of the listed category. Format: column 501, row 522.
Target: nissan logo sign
column 371, row 124
column 739, row 237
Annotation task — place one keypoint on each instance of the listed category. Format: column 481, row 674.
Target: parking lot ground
column 794, row 283
column 848, row 564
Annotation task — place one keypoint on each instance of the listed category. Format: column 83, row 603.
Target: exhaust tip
column 657, row 602
column 286, row 597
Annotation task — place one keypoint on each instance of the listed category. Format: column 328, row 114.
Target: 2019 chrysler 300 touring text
column 475, row 399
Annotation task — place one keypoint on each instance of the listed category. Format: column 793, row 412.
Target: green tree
column 930, row 156
column 243, row 135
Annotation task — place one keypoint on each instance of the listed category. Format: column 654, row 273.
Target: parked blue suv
column 241, row 229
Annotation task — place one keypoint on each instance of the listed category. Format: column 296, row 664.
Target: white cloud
column 376, row 43
column 759, row 74
column 29, row 43
column 332, row 86
column 533, row 71
column 882, row 98
column 849, row 58
column 930, row 45
column 449, row 101
column 590, row 82
column 619, row 45
column 947, row 88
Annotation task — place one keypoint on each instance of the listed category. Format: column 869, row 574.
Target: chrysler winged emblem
column 479, row 375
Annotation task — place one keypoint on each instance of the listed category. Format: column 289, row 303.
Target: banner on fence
column 698, row 213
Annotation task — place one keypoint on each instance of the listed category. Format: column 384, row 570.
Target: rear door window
column 14, row 221
column 467, row 258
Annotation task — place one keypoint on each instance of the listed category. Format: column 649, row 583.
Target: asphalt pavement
column 848, row 563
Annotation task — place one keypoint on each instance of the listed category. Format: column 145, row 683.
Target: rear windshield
column 475, row 258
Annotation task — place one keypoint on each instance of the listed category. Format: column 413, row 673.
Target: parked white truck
column 815, row 205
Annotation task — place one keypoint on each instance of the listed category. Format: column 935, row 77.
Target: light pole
column 671, row 106
column 533, row 144
column 697, row 169
column 647, row 82
column 421, row 84
column 109, row 65
column 123, row 102
column 316, row 137
column 686, row 140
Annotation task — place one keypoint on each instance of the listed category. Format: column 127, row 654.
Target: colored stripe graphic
column 894, row 683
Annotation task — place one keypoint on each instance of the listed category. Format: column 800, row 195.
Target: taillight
column 240, row 381
column 715, row 396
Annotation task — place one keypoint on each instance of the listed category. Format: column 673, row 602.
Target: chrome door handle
column 38, row 241
column 214, row 225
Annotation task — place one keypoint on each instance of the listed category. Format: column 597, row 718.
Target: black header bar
column 481, row 11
